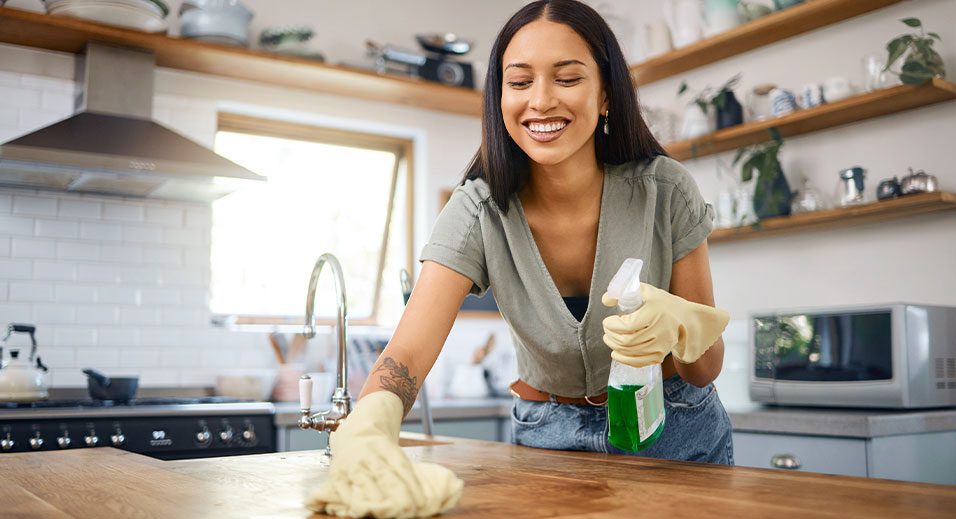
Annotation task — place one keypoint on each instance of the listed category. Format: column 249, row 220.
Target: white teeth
column 548, row 127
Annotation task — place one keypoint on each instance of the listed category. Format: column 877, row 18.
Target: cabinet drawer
column 813, row 453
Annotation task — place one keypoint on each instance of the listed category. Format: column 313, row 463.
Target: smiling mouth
column 546, row 131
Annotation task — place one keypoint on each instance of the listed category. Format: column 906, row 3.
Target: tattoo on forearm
column 395, row 378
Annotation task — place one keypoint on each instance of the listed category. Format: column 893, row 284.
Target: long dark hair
column 500, row 162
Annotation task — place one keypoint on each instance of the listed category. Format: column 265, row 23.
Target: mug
column 836, row 88
column 811, row 95
column 782, row 102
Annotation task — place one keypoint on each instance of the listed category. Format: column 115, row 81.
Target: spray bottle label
column 650, row 409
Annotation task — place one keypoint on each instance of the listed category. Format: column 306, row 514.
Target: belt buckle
column 598, row 404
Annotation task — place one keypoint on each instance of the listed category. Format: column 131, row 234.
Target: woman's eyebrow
column 559, row 64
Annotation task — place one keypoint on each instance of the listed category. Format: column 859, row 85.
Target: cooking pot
column 102, row 387
column 22, row 379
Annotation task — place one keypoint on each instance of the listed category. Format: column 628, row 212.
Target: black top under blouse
column 577, row 305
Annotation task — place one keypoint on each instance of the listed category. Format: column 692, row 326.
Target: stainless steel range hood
column 113, row 146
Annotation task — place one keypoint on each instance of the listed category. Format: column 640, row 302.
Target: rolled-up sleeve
column 692, row 219
column 456, row 240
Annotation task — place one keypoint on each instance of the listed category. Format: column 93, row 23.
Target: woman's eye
column 518, row 84
column 569, row 81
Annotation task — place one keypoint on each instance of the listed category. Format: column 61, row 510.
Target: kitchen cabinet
column 926, row 457
column 487, row 429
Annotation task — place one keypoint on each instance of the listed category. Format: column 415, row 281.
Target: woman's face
column 551, row 95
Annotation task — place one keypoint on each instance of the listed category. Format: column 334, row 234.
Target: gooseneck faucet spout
column 329, row 420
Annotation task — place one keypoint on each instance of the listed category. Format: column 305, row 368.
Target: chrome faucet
column 327, row 421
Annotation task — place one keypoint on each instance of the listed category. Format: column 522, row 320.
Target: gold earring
column 607, row 126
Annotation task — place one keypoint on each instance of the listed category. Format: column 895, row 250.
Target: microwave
column 896, row 355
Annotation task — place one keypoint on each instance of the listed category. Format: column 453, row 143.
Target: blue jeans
column 696, row 426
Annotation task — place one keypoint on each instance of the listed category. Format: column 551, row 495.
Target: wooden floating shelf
column 65, row 34
column 884, row 210
column 857, row 108
column 799, row 19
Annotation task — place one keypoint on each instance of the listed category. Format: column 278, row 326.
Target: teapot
column 918, row 182
column 22, row 380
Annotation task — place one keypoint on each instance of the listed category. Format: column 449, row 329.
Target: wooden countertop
column 501, row 480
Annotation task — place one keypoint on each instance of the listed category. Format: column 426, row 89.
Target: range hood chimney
column 112, row 145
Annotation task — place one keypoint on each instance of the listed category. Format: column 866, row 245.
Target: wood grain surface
column 501, row 480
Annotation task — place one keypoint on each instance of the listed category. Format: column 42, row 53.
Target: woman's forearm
column 706, row 368
column 395, row 372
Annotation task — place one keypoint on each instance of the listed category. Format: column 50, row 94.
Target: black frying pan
column 102, row 387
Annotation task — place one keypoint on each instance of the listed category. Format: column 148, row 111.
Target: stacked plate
column 219, row 21
column 143, row 15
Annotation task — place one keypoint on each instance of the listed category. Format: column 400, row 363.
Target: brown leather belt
column 522, row 390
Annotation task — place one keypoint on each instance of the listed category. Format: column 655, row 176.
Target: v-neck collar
column 556, row 298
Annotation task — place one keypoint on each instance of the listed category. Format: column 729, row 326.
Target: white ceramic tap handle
column 305, row 392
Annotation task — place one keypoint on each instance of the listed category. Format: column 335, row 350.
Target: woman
column 568, row 183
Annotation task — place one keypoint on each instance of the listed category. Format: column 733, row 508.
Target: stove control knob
column 91, row 439
column 249, row 435
column 36, row 443
column 64, row 441
column 118, row 438
column 7, row 443
column 203, row 437
column 226, row 435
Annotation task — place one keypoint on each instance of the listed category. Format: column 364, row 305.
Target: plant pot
column 731, row 114
column 772, row 197
column 696, row 123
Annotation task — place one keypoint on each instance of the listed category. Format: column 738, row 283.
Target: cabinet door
column 844, row 456
column 478, row 429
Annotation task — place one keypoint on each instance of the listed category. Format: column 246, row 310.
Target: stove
column 163, row 428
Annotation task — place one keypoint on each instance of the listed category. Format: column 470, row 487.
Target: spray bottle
column 635, row 396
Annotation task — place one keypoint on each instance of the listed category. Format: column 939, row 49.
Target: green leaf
column 720, row 100
column 895, row 49
column 912, row 22
column 934, row 35
column 775, row 135
column 682, row 88
column 702, row 104
column 738, row 155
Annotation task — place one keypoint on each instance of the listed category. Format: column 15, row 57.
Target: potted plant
column 772, row 195
column 728, row 110
column 921, row 63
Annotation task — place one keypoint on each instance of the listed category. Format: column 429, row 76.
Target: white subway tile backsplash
column 183, row 317
column 153, row 377
column 200, row 217
column 14, row 312
column 191, row 237
column 98, row 274
column 169, row 216
column 80, row 208
column 16, row 225
column 4, row 247
column 9, row 116
column 30, row 248
column 54, row 314
column 160, row 296
column 6, row 203
column 58, row 357
column 184, row 277
column 36, row 119
column 195, row 297
column 68, row 377
column 196, row 257
column 31, row 292
column 141, row 276
column 138, row 316
column 123, row 212
column 8, row 78
column 4, row 290
column 54, row 271
column 58, row 102
column 51, row 84
column 118, row 294
column 97, row 314
column 21, row 98
column 198, row 377
column 70, row 293
column 74, row 336
column 121, row 253
column 163, row 256
column 78, row 251
column 139, row 357
column 114, row 336
column 101, row 231
column 34, row 205
column 101, row 358
column 142, row 234
column 164, row 336
column 56, row 229
column 16, row 269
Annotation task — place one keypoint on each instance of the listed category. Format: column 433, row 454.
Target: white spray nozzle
column 625, row 286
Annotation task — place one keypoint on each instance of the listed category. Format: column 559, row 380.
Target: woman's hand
column 664, row 324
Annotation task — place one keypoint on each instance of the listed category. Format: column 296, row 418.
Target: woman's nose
column 542, row 97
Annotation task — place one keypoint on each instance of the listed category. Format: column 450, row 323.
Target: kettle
column 22, row 380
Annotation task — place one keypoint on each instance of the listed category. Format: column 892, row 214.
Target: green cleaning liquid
column 635, row 415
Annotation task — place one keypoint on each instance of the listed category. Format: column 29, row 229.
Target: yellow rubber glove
column 370, row 476
column 664, row 324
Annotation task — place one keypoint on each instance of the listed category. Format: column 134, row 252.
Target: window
column 327, row 191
